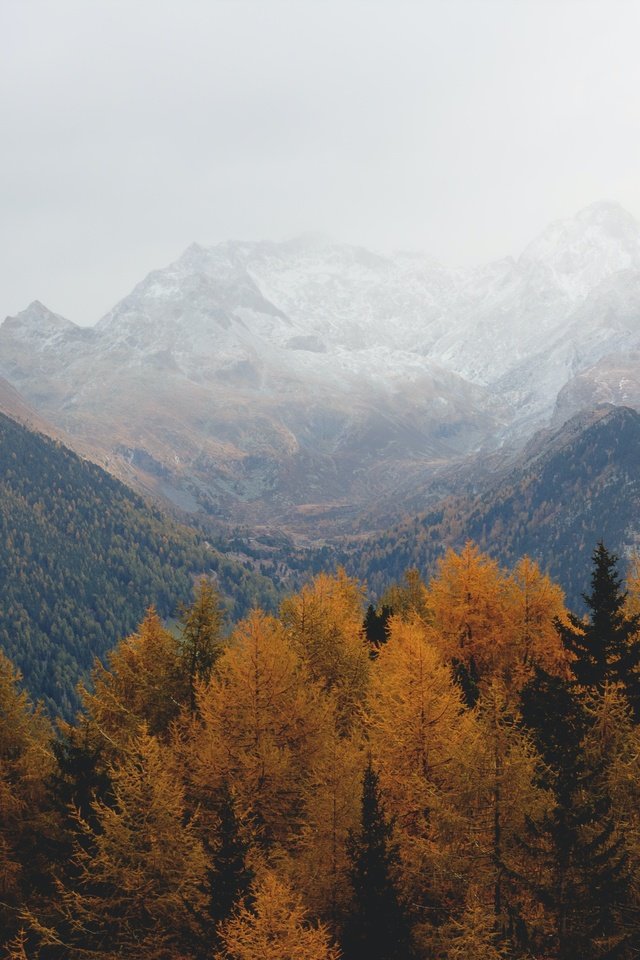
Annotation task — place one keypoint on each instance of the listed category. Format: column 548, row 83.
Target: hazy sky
column 457, row 127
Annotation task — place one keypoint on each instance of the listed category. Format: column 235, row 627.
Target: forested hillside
column 83, row 557
column 463, row 784
column 569, row 489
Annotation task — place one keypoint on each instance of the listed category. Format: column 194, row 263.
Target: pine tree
column 606, row 646
column 377, row 928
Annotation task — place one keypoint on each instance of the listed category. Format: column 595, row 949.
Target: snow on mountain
column 310, row 369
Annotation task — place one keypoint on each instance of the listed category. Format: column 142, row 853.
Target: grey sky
column 458, row 127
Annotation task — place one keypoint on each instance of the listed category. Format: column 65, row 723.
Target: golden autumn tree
column 632, row 583
column 408, row 598
column 324, row 622
column 275, row 927
column 535, row 605
column 469, row 610
column 262, row 723
column 422, row 740
column 142, row 684
column 26, row 763
column 472, row 934
column 136, row 885
column 505, row 800
column 320, row 861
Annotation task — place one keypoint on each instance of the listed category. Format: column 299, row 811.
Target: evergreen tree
column 201, row 628
column 377, row 928
column 607, row 646
column 230, row 876
column 376, row 625
column 582, row 876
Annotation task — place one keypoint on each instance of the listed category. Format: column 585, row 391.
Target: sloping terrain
column 83, row 557
column 277, row 382
column 571, row 487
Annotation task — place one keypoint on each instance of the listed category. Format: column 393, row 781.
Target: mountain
column 12, row 405
column 570, row 488
column 83, row 557
column 296, row 383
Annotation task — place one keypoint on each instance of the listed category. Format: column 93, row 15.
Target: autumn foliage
column 467, row 785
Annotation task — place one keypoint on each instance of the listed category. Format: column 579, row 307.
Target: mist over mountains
column 282, row 383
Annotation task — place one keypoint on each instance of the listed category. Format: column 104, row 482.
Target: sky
column 459, row 128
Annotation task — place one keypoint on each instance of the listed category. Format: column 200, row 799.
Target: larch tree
column 274, row 927
column 320, row 863
column 507, row 798
column 469, row 611
column 262, row 723
column 325, row 625
column 408, row 599
column 26, row 821
column 423, row 742
column 139, row 876
column 535, row 606
column 142, row 684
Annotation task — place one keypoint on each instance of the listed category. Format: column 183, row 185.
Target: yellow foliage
column 422, row 741
column 324, row 622
column 264, row 722
column 142, row 684
column 320, row 864
column 275, row 928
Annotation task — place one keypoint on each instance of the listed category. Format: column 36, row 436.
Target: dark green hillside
column 570, row 489
column 82, row 558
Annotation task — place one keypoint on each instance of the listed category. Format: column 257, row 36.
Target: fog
column 456, row 127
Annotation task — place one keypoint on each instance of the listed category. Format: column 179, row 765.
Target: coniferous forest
column 83, row 556
column 453, row 774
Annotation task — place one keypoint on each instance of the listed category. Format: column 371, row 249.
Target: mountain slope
column 273, row 382
column 572, row 487
column 83, row 557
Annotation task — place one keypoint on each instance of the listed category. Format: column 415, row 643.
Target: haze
column 456, row 127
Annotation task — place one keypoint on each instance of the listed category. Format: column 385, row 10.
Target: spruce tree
column 607, row 646
column 582, row 865
column 376, row 626
column 230, row 877
column 377, row 928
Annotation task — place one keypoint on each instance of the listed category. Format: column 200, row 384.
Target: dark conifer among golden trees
column 468, row 792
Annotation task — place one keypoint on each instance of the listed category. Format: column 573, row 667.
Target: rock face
column 274, row 380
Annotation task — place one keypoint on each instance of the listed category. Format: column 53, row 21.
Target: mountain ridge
column 250, row 380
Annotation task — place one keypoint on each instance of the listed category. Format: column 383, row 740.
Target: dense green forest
column 454, row 776
column 83, row 557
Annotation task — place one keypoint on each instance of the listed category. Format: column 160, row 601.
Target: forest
column 453, row 774
column 83, row 557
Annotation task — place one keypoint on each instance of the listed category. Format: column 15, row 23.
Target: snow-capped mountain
column 291, row 375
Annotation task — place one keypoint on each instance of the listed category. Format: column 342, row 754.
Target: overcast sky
column 456, row 127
